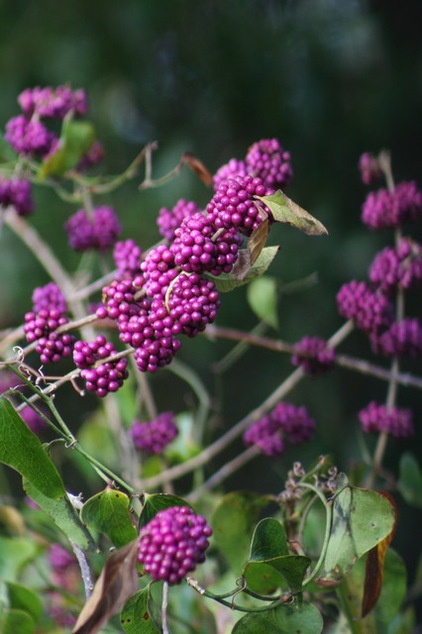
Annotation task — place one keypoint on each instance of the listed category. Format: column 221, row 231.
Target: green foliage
column 410, row 480
column 22, row 450
column 283, row 619
column 135, row 617
column 262, row 298
column 361, row 519
column 75, row 139
column 233, row 522
column 108, row 513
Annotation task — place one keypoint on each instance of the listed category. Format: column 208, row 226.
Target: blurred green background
column 330, row 78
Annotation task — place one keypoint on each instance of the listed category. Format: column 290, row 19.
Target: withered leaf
column 374, row 567
column 242, row 265
column 283, row 209
column 117, row 582
column 258, row 240
column 197, row 168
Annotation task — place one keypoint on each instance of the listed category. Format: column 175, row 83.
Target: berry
column 104, row 377
column 395, row 421
column 193, row 303
column 313, row 355
column 28, row 137
column 295, row 422
column 232, row 169
column 369, row 168
column 40, row 327
column 119, row 300
column 198, row 247
column 127, row 257
column 53, row 102
column 159, row 270
column 286, row 422
column 234, row 205
column 270, row 162
column 266, row 435
column 156, row 352
column 392, row 209
column 402, row 338
column 96, row 231
column 397, row 267
column 154, row 436
column 93, row 156
column 173, row 543
column 371, row 312
column 169, row 219
column 17, row 193
column 48, row 297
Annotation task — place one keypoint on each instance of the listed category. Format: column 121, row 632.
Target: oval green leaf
column 108, row 513
column 285, row 210
column 75, row 140
column 158, row 502
column 17, row 621
column 135, row 617
column 64, row 515
column 227, row 282
column 233, row 523
column 284, row 619
column 23, row 451
column 25, row 599
column 410, row 480
column 361, row 520
column 287, row 572
column 262, row 298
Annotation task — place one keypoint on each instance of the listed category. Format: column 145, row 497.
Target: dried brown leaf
column 197, row 168
column 117, row 582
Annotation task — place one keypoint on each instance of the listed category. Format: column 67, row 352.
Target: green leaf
column 75, row 140
column 233, row 523
column 64, row 516
column 390, row 600
column 284, row 619
column 108, row 513
column 410, row 480
column 15, row 553
column 135, row 617
column 22, row 450
column 226, row 282
column 17, row 621
column 262, row 298
column 158, row 502
column 285, row 210
column 269, row 540
column 361, row 519
column 22, row 598
column 267, row 576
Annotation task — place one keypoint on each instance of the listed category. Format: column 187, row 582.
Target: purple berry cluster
column 41, row 327
column 127, row 257
column 397, row 422
column 153, row 436
column 285, row 423
column 48, row 297
column 369, row 168
column 16, row 192
column 265, row 159
column 33, row 420
column 100, row 376
column 402, row 338
column 173, row 543
column 234, row 204
column 397, row 267
column 169, row 220
column 313, row 355
column 97, row 230
column 392, row 209
column 371, row 311
column 27, row 133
